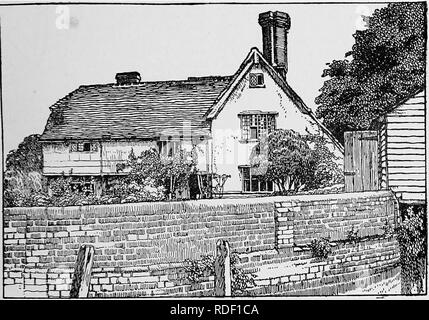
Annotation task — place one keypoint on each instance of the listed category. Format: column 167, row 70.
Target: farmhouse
column 402, row 149
column 223, row 118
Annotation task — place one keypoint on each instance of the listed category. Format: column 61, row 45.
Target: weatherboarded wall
column 404, row 140
column 140, row 248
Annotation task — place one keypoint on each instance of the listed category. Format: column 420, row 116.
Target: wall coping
column 189, row 204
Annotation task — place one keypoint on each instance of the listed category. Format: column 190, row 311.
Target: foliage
column 320, row 248
column 352, row 235
column 23, row 179
column 387, row 65
column 412, row 238
column 197, row 270
column 299, row 162
column 150, row 168
column 126, row 190
column 325, row 171
column 240, row 280
column 28, row 157
column 389, row 230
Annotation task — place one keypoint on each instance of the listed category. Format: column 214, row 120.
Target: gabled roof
column 143, row 110
column 255, row 56
column 150, row 109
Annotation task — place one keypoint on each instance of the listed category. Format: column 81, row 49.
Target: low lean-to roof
column 145, row 111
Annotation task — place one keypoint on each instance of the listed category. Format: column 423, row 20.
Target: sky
column 48, row 51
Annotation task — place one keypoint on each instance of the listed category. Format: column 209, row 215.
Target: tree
column 386, row 64
column 297, row 162
column 27, row 157
column 23, row 175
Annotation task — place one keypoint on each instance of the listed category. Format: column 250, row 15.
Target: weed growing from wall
column 199, row 270
column 352, row 236
column 320, row 248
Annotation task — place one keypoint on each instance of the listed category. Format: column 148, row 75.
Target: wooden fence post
column 222, row 269
column 82, row 272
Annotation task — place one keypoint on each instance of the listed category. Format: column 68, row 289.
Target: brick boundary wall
column 140, row 248
column 300, row 219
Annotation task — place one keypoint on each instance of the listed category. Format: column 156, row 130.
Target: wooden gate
column 361, row 161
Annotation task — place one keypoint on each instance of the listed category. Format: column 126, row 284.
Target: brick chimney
column 127, row 78
column 275, row 26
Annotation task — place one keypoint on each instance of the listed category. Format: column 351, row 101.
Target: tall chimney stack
column 275, row 26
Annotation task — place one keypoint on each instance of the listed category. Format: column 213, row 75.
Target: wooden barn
column 402, row 149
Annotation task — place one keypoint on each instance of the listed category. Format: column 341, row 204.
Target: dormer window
column 256, row 80
column 256, row 124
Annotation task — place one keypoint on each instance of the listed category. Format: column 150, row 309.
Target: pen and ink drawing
column 231, row 185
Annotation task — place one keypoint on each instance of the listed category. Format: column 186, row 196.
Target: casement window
column 256, row 125
column 83, row 147
column 256, row 80
column 254, row 183
column 169, row 148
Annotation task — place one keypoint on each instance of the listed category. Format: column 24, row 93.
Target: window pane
column 255, row 184
column 253, row 80
column 256, row 79
column 269, row 186
column 245, row 122
column 253, row 133
column 246, row 186
column 245, row 173
column 86, row 146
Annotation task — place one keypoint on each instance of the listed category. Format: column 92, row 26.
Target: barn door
column 361, row 161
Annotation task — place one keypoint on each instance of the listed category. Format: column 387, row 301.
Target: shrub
column 352, row 235
column 389, row 230
column 197, row 270
column 320, row 248
column 411, row 235
column 150, row 168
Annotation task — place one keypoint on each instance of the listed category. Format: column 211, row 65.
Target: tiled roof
column 143, row 110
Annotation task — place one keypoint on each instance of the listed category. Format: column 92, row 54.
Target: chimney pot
column 275, row 26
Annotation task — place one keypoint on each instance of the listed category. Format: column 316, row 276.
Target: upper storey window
column 83, row 147
column 256, row 80
column 257, row 124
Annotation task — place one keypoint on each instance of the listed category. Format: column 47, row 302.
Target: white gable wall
column 228, row 151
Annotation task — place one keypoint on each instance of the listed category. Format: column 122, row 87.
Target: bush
column 169, row 174
column 320, row 248
column 412, row 238
column 352, row 235
column 197, row 270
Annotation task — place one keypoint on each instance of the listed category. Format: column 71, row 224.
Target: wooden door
column 361, row 161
